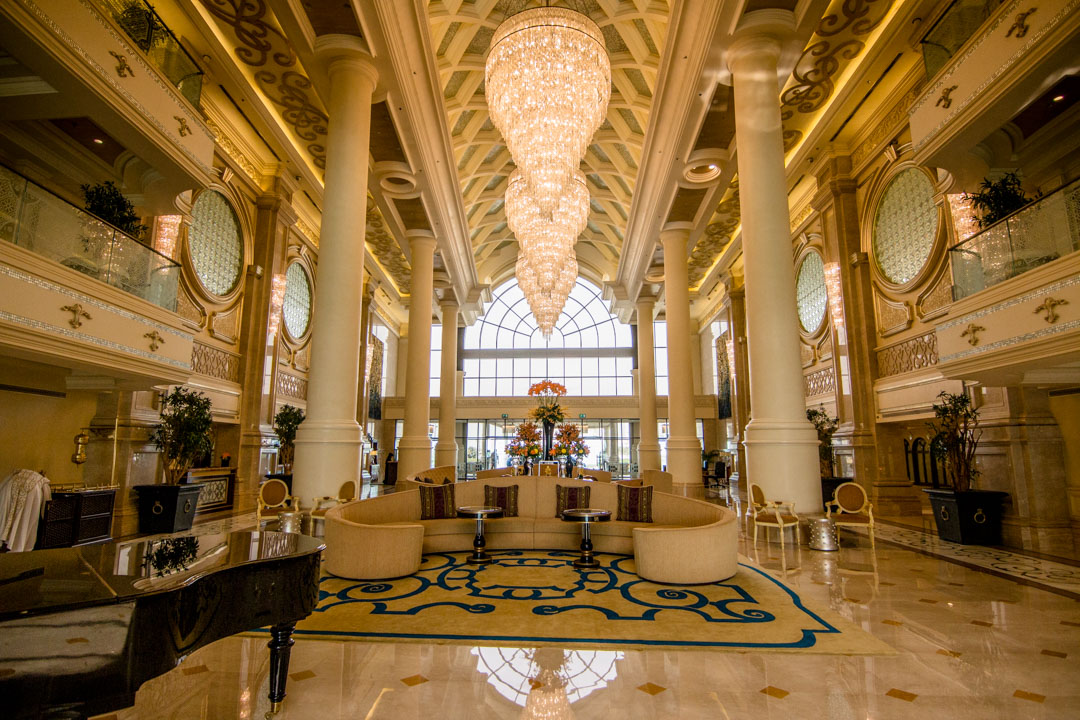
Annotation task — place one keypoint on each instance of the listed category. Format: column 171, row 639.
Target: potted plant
column 286, row 422
column 106, row 202
column 549, row 413
column 997, row 199
column 826, row 427
column 185, row 433
column 962, row 515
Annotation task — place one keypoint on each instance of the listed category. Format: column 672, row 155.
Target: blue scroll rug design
column 537, row 597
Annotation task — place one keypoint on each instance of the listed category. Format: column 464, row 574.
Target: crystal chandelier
column 548, row 83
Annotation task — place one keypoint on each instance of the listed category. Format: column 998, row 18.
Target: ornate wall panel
column 936, row 300
column 914, row 354
column 215, row 363
column 291, row 386
column 820, row 382
column 892, row 317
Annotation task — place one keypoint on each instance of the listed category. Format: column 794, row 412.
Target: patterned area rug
column 535, row 598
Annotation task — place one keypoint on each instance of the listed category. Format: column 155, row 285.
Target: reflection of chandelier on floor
column 548, row 83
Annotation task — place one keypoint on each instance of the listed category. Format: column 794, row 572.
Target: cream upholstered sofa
column 689, row 541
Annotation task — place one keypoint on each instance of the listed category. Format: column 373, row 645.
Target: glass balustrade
column 955, row 26
column 1041, row 232
column 35, row 219
column 143, row 25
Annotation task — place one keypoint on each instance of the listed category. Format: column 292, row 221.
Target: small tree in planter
column 997, row 199
column 962, row 515
column 105, row 201
column 286, row 422
column 826, row 427
column 185, row 434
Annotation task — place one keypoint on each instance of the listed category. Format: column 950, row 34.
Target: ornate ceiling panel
column 634, row 31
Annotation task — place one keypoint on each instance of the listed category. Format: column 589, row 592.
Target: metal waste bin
column 823, row 535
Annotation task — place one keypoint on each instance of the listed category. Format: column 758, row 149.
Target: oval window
column 905, row 226
column 810, row 292
column 296, row 307
column 215, row 243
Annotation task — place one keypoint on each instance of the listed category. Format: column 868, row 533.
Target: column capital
column 761, row 38
column 345, row 52
column 449, row 302
column 420, row 241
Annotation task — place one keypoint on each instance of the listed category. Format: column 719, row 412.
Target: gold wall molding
column 216, row 363
column 892, row 317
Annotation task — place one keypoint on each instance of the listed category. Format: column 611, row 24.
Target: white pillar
column 414, row 448
column 781, row 444
column 683, row 446
column 328, row 441
column 649, row 447
column 446, row 450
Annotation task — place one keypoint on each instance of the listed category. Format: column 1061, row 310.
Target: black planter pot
column 166, row 508
column 549, row 438
column 972, row 517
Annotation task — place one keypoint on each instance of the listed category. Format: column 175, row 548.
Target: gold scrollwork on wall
column 77, row 315
column 122, row 67
column 1048, row 309
column 155, row 339
column 971, row 332
column 1020, row 27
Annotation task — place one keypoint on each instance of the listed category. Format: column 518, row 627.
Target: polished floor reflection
column 970, row 645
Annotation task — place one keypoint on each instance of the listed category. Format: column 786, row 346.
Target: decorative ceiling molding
column 277, row 71
column 386, row 250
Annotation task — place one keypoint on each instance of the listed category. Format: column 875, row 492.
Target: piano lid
column 67, row 578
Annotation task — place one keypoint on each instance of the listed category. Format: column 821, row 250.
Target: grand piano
column 82, row 628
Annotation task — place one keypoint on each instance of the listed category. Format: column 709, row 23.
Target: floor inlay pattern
column 1052, row 575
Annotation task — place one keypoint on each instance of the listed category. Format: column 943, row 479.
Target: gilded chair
column 346, row 493
column 773, row 513
column 852, row 508
column 274, row 497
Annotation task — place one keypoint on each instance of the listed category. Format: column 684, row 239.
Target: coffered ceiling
column 634, row 32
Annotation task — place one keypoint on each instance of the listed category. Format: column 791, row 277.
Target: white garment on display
column 23, row 495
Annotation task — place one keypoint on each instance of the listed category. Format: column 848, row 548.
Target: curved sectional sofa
column 688, row 542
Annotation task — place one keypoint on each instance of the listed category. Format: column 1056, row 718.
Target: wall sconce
column 81, row 441
column 277, row 301
column 166, row 231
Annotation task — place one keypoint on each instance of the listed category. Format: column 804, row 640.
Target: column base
column 684, row 460
column 327, row 455
column 782, row 457
column 648, row 457
column 445, row 454
column 414, row 455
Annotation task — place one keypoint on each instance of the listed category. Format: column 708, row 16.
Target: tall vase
column 549, row 434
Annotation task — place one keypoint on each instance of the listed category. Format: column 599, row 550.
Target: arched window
column 589, row 351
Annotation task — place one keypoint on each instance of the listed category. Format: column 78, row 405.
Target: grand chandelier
column 548, row 82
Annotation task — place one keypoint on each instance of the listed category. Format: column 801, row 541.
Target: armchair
column 274, row 497
column 773, row 513
column 853, row 508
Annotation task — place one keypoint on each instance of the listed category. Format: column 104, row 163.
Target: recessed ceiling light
column 1059, row 98
column 99, row 141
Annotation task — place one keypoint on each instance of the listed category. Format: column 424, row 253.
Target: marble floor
column 970, row 644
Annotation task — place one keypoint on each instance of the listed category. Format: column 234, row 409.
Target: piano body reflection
column 82, row 628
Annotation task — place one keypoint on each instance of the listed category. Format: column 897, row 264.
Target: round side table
column 586, row 516
column 823, row 535
column 480, row 513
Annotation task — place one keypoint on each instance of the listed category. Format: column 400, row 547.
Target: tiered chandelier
column 548, row 83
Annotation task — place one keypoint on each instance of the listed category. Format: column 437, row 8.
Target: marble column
column 414, row 449
column 740, row 373
column 649, row 446
column 328, row 441
column 683, row 446
column 259, row 349
column 446, row 449
column 781, row 444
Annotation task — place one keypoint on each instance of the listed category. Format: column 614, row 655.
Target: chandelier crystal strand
column 548, row 82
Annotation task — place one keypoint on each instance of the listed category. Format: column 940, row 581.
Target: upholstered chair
column 852, row 508
column 274, row 497
column 346, row 493
column 773, row 513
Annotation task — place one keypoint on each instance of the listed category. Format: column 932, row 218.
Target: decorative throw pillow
column 502, row 497
column 437, row 502
column 635, row 504
column 570, row 497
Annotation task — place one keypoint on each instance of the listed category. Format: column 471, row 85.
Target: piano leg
column 280, row 645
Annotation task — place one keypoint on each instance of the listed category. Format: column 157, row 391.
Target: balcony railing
column 33, row 218
column 1030, row 237
column 143, row 25
column 955, row 26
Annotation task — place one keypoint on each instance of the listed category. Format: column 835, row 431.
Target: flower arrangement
column 568, row 442
column 526, row 441
column 548, row 411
